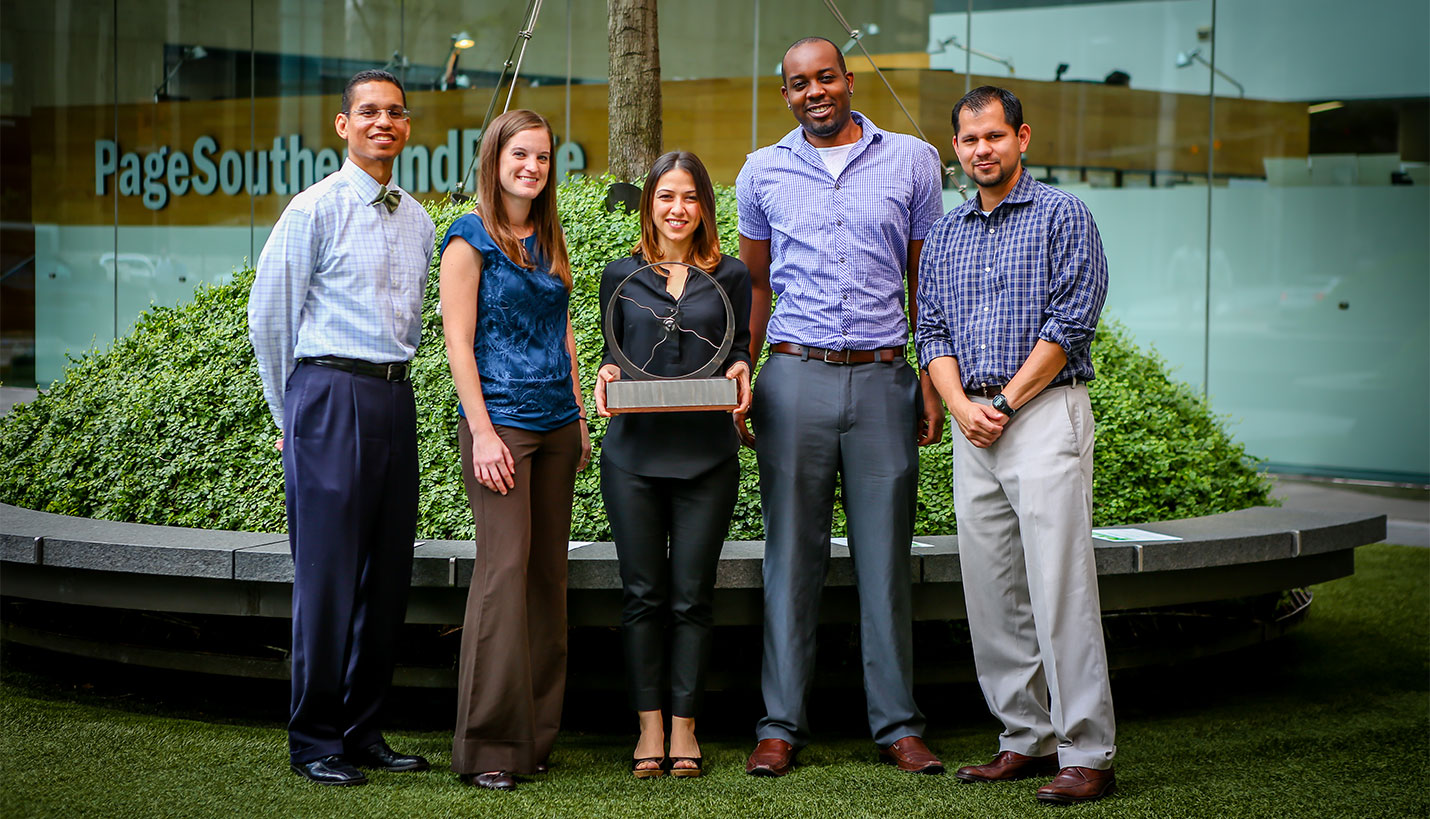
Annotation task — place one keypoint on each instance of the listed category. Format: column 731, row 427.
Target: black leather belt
column 990, row 390
column 885, row 354
column 394, row 371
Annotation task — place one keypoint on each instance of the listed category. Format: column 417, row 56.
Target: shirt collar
column 1022, row 193
column 795, row 141
column 363, row 183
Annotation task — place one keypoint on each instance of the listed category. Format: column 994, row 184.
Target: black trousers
column 350, row 476
column 668, row 534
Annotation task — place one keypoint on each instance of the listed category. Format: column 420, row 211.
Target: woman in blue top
column 505, row 286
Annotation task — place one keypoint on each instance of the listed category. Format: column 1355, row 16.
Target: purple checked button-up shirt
column 991, row 286
column 839, row 246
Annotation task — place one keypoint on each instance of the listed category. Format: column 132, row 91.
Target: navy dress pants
column 350, row 475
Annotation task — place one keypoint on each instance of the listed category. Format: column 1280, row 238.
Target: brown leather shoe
column 1007, row 766
column 493, row 781
column 771, row 757
column 1078, row 785
column 912, row 755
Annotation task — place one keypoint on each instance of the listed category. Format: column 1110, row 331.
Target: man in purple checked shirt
column 831, row 219
column 1014, row 282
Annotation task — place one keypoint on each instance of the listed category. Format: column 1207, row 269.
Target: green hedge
column 169, row 426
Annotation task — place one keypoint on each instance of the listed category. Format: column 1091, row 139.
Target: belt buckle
column 844, row 359
column 397, row 371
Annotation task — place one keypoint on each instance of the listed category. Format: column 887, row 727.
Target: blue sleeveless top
column 520, row 343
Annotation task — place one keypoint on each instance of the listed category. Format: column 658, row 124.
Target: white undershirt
column 836, row 158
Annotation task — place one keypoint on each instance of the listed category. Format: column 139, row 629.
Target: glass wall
column 1257, row 168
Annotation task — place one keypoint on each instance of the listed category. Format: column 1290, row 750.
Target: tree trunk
column 635, row 130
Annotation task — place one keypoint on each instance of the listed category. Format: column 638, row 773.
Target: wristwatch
column 1001, row 404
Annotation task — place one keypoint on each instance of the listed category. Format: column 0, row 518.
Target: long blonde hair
column 550, row 241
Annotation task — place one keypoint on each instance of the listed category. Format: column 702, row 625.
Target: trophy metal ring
column 645, row 391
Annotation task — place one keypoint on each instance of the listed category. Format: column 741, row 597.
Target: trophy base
column 683, row 395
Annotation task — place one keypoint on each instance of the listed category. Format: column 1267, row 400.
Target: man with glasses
column 335, row 316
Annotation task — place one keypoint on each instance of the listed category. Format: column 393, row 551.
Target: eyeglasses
column 371, row 114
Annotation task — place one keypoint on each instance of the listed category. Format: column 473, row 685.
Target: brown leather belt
column 990, row 390
column 884, row 354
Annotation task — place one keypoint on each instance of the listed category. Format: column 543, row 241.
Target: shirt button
column 841, row 260
column 990, row 230
column 983, row 346
column 836, row 186
column 985, row 309
column 988, row 269
column 840, row 223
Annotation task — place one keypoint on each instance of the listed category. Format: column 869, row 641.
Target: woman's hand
column 739, row 372
column 608, row 372
column 492, row 461
column 585, row 446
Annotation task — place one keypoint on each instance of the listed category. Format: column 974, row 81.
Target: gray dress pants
column 1024, row 510
column 816, row 422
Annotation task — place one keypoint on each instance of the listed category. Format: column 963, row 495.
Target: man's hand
column 742, row 428
column 278, row 444
column 930, row 423
column 979, row 423
column 607, row 373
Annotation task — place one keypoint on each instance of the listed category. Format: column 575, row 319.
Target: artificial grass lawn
column 1328, row 721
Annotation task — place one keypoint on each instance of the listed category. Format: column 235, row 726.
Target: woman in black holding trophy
column 669, row 479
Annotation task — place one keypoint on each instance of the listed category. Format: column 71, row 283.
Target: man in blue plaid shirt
column 1013, row 283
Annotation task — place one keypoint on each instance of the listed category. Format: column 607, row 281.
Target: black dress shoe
column 330, row 770
column 378, row 755
column 493, row 780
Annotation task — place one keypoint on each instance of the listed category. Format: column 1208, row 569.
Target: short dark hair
column 984, row 96
column 366, row 76
column 838, row 55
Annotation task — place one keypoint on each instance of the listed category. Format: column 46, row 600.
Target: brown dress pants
column 512, row 671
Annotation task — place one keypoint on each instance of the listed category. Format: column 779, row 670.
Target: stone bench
column 82, row 561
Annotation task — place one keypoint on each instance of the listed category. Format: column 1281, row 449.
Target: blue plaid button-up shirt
column 991, row 286
column 339, row 276
column 839, row 246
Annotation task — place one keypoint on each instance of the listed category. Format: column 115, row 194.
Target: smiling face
column 990, row 150
column 373, row 145
column 675, row 210
column 525, row 164
column 817, row 91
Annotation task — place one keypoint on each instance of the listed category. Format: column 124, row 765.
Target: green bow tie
column 389, row 199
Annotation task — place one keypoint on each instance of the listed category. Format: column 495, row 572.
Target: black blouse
column 673, row 444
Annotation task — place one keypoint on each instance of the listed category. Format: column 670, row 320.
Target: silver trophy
column 640, row 391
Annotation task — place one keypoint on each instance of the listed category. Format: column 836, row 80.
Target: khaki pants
column 1024, row 510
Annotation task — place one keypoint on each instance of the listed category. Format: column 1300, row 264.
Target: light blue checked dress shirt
column 991, row 286
column 339, row 277
column 838, row 246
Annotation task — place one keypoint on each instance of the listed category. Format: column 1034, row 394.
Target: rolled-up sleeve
column 275, row 304
column 1079, row 285
column 928, row 195
column 932, row 338
column 753, row 223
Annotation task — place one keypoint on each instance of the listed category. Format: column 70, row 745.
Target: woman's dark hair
column 705, row 253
